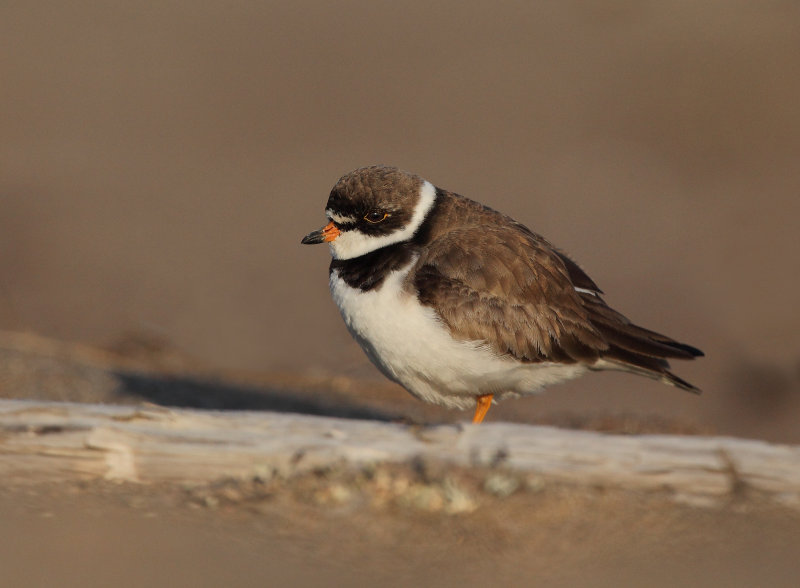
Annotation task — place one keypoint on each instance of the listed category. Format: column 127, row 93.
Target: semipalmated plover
column 461, row 304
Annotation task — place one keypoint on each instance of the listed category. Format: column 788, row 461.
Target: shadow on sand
column 186, row 392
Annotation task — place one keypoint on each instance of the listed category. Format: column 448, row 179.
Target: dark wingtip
column 692, row 351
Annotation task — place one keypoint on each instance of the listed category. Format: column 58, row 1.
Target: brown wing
column 522, row 301
column 509, row 289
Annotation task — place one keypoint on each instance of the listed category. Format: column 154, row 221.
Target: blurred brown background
column 159, row 163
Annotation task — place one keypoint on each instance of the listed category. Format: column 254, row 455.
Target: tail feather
column 655, row 368
column 636, row 349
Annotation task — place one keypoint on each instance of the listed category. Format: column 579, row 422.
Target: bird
column 464, row 306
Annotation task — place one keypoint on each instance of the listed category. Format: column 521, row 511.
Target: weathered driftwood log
column 58, row 441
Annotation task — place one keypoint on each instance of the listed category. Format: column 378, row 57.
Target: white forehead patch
column 353, row 243
column 339, row 218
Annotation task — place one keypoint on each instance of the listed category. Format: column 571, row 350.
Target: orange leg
column 484, row 403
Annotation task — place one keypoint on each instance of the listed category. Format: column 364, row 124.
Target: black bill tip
column 326, row 234
column 313, row 238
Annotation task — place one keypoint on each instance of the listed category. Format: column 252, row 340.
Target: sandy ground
column 101, row 535
column 341, row 527
column 160, row 163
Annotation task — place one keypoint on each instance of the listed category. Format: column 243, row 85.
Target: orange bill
column 329, row 232
column 324, row 235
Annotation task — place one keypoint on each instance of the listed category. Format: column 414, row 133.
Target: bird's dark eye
column 375, row 216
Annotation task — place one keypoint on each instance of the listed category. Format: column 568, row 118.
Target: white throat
column 350, row 244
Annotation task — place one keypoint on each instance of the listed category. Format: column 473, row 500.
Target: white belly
column 411, row 346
